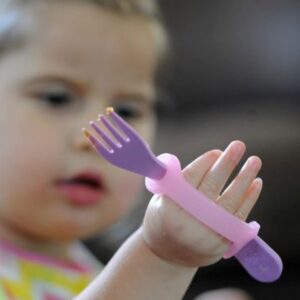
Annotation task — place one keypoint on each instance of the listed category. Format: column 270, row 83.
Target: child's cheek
column 27, row 157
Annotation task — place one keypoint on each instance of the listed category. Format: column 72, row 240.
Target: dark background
column 236, row 75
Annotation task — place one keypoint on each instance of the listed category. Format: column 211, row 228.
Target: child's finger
column 215, row 179
column 250, row 199
column 234, row 193
column 195, row 171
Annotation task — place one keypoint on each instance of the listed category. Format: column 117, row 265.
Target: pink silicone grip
column 199, row 206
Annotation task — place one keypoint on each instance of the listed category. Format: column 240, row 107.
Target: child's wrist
column 164, row 259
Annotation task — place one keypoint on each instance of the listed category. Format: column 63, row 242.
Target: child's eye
column 56, row 98
column 128, row 112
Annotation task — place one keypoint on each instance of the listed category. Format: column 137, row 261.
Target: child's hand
column 175, row 236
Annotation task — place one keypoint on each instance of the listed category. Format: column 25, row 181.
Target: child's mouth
column 83, row 189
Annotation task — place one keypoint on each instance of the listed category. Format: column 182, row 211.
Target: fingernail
column 254, row 162
column 237, row 149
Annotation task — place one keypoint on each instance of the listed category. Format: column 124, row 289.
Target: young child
column 61, row 63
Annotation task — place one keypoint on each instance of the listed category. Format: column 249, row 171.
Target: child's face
column 79, row 60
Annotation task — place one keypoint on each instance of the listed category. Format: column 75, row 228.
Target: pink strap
column 199, row 206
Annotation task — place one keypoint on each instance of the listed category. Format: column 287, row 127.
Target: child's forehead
column 78, row 33
column 76, row 21
column 82, row 29
column 103, row 52
column 86, row 13
column 38, row 17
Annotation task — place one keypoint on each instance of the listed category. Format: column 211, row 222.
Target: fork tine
column 104, row 136
column 95, row 142
column 128, row 130
column 113, row 131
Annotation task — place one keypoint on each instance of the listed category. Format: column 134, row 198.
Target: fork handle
column 199, row 206
column 258, row 258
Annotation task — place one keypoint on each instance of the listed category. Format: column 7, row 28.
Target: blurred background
column 236, row 75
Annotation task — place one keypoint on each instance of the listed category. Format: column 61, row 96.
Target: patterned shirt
column 29, row 276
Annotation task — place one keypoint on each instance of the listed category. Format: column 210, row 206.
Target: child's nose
column 79, row 141
column 82, row 143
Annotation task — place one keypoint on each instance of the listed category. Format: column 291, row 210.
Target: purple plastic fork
column 130, row 152
column 163, row 175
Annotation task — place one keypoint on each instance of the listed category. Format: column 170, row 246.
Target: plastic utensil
column 125, row 149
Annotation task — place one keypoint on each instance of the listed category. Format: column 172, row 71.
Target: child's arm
column 161, row 258
column 136, row 273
